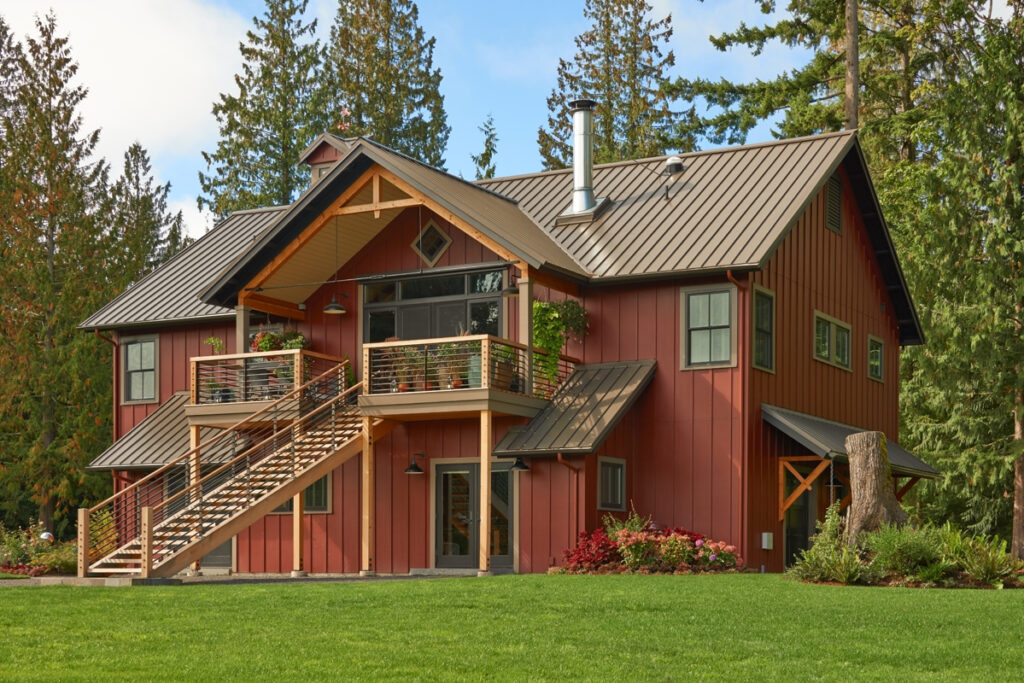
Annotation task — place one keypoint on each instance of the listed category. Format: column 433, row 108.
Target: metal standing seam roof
column 827, row 439
column 158, row 439
column 582, row 412
column 171, row 292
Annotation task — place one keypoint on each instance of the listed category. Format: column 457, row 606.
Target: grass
column 744, row 626
column 5, row 575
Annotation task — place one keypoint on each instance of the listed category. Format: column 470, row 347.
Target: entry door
column 457, row 527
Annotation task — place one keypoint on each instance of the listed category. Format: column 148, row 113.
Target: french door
column 457, row 519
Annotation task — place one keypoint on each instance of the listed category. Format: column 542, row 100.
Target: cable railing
column 467, row 362
column 106, row 529
column 261, row 376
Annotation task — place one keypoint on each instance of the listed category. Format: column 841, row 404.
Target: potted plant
column 452, row 363
column 504, row 367
column 217, row 392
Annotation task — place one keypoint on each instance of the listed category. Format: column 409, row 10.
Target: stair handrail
column 245, row 454
column 223, row 434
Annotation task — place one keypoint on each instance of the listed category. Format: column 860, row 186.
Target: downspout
column 732, row 279
column 117, row 362
column 576, row 503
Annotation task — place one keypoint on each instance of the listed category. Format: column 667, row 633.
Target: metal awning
column 582, row 413
column 827, row 439
column 160, row 438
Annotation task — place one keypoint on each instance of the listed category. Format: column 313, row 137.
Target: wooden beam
column 266, row 304
column 552, row 281
column 525, row 304
column 366, row 482
column 376, row 195
column 377, row 207
column 310, row 232
column 804, row 485
column 298, row 532
column 194, row 474
column 83, row 542
column 146, row 541
column 484, row 535
column 906, row 487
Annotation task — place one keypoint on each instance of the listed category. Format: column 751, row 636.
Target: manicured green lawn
column 740, row 627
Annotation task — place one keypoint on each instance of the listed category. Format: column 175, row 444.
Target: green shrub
column 903, row 550
column 634, row 522
column 19, row 546
column 935, row 573
column 955, row 545
column 828, row 558
column 987, row 561
column 60, row 559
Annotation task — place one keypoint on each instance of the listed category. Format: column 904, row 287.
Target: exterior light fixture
column 334, row 308
column 511, row 290
column 520, row 466
column 414, row 467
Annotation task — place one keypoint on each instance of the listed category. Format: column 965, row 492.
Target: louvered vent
column 834, row 208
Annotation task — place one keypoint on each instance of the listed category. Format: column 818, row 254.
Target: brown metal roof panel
column 827, row 439
column 583, row 411
column 170, row 293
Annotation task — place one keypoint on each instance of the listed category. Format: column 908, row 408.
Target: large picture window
column 139, row 369
column 433, row 306
column 708, row 326
column 831, row 341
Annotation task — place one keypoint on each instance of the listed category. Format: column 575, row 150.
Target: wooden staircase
column 164, row 537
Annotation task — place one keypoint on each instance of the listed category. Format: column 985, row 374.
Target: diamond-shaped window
column 431, row 243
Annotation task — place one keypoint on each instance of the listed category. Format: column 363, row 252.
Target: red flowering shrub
column 592, row 551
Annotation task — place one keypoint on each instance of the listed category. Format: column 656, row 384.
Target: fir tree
column 145, row 233
column 619, row 64
column 54, row 379
column 276, row 113
column 381, row 66
column 484, row 161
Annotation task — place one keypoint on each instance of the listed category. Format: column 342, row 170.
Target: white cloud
column 153, row 69
column 196, row 222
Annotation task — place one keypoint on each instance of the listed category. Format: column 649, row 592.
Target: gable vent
column 834, row 205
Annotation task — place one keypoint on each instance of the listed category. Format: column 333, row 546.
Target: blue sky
column 154, row 70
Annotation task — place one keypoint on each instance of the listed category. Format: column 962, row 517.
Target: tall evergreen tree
column 380, row 65
column 145, row 233
column 54, row 379
column 619, row 64
column 484, row 161
column 276, row 113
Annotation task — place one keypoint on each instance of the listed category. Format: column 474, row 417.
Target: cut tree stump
column 872, row 491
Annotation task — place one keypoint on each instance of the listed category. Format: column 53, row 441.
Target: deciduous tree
column 619, row 63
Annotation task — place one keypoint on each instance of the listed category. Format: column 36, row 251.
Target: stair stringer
column 245, row 518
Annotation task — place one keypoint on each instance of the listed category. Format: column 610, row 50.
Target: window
column 764, row 329
column 431, row 243
column 708, row 323
column 834, row 204
column 318, row 498
column 139, row 370
column 875, row 358
column 611, row 483
column 831, row 340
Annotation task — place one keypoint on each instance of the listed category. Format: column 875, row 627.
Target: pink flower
column 699, row 543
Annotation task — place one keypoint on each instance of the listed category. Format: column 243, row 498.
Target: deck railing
column 261, row 376
column 454, row 363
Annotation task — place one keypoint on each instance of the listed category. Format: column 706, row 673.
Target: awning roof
column 159, row 439
column 582, row 413
column 827, row 439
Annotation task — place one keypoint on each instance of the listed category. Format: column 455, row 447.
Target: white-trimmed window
column 611, row 484
column 317, row 498
column 764, row 329
column 708, row 326
column 831, row 340
column 139, row 369
column 876, row 358
column 834, row 204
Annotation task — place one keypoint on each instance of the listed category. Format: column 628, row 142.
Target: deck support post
column 146, row 541
column 193, row 478
column 526, row 325
column 366, row 563
column 298, row 533
column 83, row 542
column 485, row 493
column 242, row 328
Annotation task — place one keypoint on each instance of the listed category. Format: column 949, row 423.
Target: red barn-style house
column 348, row 384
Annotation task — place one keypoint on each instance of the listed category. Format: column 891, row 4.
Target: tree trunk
column 852, row 65
column 873, row 493
column 1017, row 537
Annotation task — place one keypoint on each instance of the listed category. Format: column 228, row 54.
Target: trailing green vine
column 553, row 323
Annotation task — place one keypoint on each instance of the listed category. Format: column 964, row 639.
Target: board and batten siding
column 815, row 269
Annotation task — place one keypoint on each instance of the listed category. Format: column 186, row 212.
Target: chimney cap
column 582, row 104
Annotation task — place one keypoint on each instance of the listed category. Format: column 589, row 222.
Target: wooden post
column 485, row 493
column 242, row 329
column 194, row 475
column 83, row 542
column 146, row 540
column 298, row 533
column 367, row 567
column 526, row 326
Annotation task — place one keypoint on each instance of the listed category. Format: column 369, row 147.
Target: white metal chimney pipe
column 582, row 155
